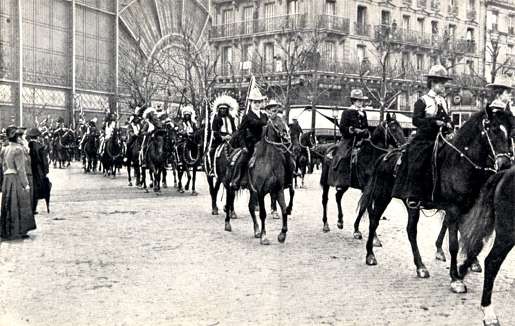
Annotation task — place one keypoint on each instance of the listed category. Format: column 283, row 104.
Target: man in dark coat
column 252, row 128
column 39, row 165
column 222, row 127
column 353, row 128
column 295, row 131
column 430, row 116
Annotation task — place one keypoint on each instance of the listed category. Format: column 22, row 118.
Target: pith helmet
column 438, row 72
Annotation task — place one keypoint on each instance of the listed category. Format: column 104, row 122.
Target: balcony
column 453, row 10
column 334, row 23
column 463, row 46
column 471, row 15
column 422, row 4
column 265, row 25
column 405, row 36
column 407, row 2
column 435, row 5
column 361, row 29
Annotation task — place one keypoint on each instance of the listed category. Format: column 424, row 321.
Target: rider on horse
column 295, row 131
column 188, row 125
column 109, row 126
column 353, row 128
column 251, row 129
column 430, row 116
column 134, row 128
column 91, row 129
column 223, row 125
column 150, row 124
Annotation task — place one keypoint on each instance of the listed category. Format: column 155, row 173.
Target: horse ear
column 388, row 117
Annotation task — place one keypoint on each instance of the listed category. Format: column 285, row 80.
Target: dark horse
column 155, row 158
column 133, row 160
column 480, row 148
column 492, row 212
column 190, row 153
column 386, row 134
column 112, row 157
column 266, row 175
column 90, row 159
column 302, row 152
column 62, row 141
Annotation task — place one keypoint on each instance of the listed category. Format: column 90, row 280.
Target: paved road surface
column 108, row 254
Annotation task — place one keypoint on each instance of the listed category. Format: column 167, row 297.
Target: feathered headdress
column 227, row 100
column 188, row 109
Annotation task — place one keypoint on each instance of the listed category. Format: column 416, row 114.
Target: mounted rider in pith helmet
column 430, row 116
column 223, row 124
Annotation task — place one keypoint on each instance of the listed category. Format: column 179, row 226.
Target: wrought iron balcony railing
column 422, row 4
column 407, row 2
column 435, row 5
column 453, row 10
column 334, row 23
column 471, row 15
column 405, row 36
column 463, row 46
column 362, row 29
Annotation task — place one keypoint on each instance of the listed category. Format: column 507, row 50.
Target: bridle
column 285, row 145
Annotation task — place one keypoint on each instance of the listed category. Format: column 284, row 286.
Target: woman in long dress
column 16, row 218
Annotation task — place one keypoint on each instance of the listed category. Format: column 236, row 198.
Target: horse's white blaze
column 489, row 314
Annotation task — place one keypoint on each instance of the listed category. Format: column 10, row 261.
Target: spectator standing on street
column 39, row 166
column 16, row 218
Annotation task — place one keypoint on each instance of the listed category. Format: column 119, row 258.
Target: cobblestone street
column 108, row 254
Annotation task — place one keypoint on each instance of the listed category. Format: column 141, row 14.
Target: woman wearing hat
column 251, row 129
column 500, row 94
column 39, row 167
column 353, row 128
column 430, row 116
column 16, row 218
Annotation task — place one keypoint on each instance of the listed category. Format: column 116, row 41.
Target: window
column 246, row 52
column 361, row 53
column 330, row 7
column 452, row 31
column 293, row 7
column 227, row 60
column 404, row 102
column 470, row 34
column 495, row 18
column 385, row 17
column 420, row 23
column 361, row 21
column 406, row 22
column 269, row 13
column 472, row 4
column 330, row 51
column 228, row 22
column 405, row 60
column 510, row 24
column 248, row 13
column 434, row 60
column 509, row 54
column 420, row 62
column 269, row 52
column 469, row 67
column 434, row 27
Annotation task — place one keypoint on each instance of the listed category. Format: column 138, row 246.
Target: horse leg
column 457, row 285
column 194, row 180
column 262, row 215
column 374, row 213
column 273, row 206
column 213, row 194
column 129, row 172
column 164, row 173
column 282, row 235
column 357, row 234
column 229, row 202
column 289, row 208
column 338, row 196
column 188, row 174
column 413, row 217
column 179, row 176
column 325, row 199
column 440, row 255
column 252, row 210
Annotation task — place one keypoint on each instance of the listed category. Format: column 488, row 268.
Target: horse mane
column 469, row 131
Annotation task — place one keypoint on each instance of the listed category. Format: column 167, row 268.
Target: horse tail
column 478, row 224
column 378, row 184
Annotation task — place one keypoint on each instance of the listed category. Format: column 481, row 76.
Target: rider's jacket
column 188, row 127
column 428, row 109
column 133, row 130
column 353, row 118
column 222, row 126
column 252, row 127
column 109, row 128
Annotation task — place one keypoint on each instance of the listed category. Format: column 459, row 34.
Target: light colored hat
column 438, row 72
column 357, row 94
column 502, row 81
column 273, row 104
column 188, row 109
column 148, row 112
column 94, row 120
column 137, row 110
column 255, row 95
column 498, row 104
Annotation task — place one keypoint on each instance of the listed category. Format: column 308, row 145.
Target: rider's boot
column 239, row 169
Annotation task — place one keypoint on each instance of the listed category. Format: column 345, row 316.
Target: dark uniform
column 351, row 120
column 251, row 128
column 39, row 167
column 221, row 126
column 295, row 132
column 416, row 177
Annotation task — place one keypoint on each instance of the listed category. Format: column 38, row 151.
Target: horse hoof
column 458, row 286
column 377, row 242
column 326, row 228
column 491, row 322
column 233, row 215
column 476, row 268
column 130, row 184
column 194, row 193
column 228, row 227
column 340, row 225
column 489, row 316
column 440, row 255
column 281, row 237
column 165, row 185
column 214, row 211
column 422, row 272
column 264, row 241
column 257, row 233
column 275, row 216
column 357, row 235
column 146, row 190
column 371, row 260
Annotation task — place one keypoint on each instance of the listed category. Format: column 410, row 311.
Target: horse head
column 276, row 130
column 389, row 133
column 485, row 137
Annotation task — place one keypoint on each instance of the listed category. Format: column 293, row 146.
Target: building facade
column 248, row 34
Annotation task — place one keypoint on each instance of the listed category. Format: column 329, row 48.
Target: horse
column 62, row 140
column 266, row 175
column 155, row 159
column 112, row 156
column 133, row 161
column 190, row 153
column 481, row 147
column 387, row 134
column 90, row 153
column 307, row 141
column 493, row 211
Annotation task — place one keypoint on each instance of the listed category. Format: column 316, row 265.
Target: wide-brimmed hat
column 12, row 131
column 33, row 132
column 255, row 95
column 357, row 94
column 438, row 72
column 148, row 112
column 273, row 104
column 501, row 82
